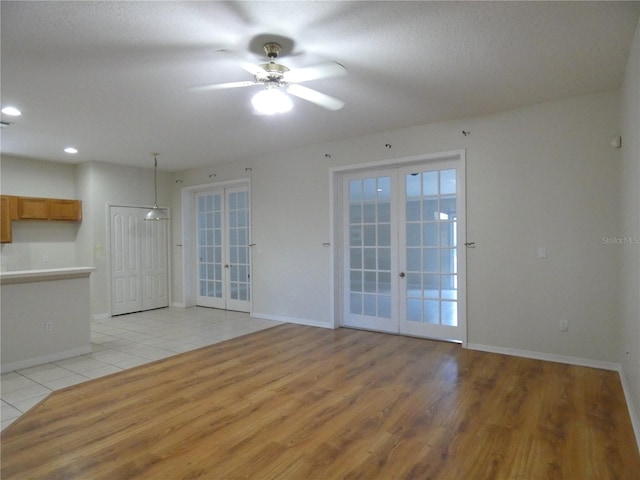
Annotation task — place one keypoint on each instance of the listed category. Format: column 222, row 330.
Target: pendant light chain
column 155, row 179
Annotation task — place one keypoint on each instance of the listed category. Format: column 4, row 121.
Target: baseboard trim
column 549, row 357
column 178, row 305
column 100, row 316
column 297, row 321
column 39, row 360
column 635, row 419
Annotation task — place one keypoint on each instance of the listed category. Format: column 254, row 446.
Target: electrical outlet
column 564, row 325
column 48, row 326
column 45, row 258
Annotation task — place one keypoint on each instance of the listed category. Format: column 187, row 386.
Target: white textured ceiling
column 113, row 78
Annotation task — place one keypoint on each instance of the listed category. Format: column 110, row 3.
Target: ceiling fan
column 276, row 77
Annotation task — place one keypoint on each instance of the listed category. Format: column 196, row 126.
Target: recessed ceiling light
column 71, row 150
column 13, row 111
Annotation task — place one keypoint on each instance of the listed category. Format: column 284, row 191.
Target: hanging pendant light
column 156, row 213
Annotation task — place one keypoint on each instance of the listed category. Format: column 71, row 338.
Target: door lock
column 401, row 274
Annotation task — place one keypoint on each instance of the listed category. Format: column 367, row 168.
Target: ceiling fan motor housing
column 274, row 72
column 272, row 49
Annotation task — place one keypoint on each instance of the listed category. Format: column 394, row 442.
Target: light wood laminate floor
column 295, row 402
column 123, row 342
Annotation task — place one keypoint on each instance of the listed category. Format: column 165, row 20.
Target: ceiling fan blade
column 252, row 69
column 323, row 70
column 223, row 86
column 242, row 60
column 313, row 96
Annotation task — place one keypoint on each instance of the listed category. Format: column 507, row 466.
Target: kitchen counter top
column 22, row 276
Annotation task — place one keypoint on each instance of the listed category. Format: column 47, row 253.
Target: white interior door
column 125, row 261
column 431, row 212
column 210, row 260
column 403, row 271
column 139, row 261
column 154, row 268
column 238, row 254
column 223, row 258
column 371, row 251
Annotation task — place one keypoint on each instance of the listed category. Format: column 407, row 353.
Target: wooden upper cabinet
column 31, row 208
column 5, row 219
column 70, row 210
column 34, row 208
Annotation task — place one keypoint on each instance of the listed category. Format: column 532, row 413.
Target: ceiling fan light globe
column 271, row 101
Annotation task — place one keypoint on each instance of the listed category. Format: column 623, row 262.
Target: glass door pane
column 370, row 249
column 224, row 259
column 238, row 254
column 210, row 218
column 402, row 269
column 429, row 299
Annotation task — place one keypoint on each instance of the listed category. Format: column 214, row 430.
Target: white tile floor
column 124, row 342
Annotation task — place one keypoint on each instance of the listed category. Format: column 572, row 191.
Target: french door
column 223, row 266
column 139, row 261
column 403, row 271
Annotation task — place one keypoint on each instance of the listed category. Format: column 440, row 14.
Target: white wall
column 101, row 184
column 37, row 241
column 537, row 176
column 28, row 304
column 541, row 176
column 70, row 244
column 35, row 178
column 629, row 346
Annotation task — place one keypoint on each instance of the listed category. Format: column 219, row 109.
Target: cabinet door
column 31, row 208
column 70, row 210
column 5, row 220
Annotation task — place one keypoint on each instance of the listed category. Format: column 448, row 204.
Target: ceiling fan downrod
column 275, row 71
column 272, row 49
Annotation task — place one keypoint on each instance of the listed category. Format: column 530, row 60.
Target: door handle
column 401, row 274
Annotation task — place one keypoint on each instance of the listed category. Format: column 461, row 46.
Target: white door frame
column 336, row 214
column 189, row 221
